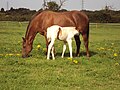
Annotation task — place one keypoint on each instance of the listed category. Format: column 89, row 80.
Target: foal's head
column 26, row 48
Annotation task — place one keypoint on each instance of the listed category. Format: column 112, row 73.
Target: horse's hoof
column 77, row 55
column 88, row 55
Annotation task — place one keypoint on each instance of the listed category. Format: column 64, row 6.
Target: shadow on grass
column 92, row 53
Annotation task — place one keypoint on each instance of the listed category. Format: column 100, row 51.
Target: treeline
column 104, row 16
column 23, row 14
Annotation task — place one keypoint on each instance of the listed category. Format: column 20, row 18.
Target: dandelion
column 102, row 48
column 69, row 59
column 19, row 42
column 38, row 46
column 75, row 61
column 18, row 54
column 1, row 55
column 115, row 54
column 10, row 54
column 99, row 49
column 109, row 49
column 6, row 54
column 112, row 43
column 116, row 64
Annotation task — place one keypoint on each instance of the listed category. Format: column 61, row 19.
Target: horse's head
column 26, row 48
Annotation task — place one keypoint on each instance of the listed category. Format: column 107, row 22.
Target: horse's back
column 46, row 19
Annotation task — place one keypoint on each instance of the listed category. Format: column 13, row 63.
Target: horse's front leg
column 70, row 47
column 78, row 43
column 47, row 43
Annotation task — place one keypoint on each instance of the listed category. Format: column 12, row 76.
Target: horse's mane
column 37, row 13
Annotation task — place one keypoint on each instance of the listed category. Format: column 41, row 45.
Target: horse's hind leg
column 86, row 41
column 47, row 42
column 78, row 42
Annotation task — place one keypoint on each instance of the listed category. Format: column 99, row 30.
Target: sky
column 69, row 4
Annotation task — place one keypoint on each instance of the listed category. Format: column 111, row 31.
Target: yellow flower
column 112, row 43
column 18, row 54
column 10, row 54
column 116, row 64
column 69, row 59
column 1, row 54
column 115, row 54
column 19, row 42
column 109, row 49
column 6, row 54
column 38, row 46
column 75, row 61
column 98, row 49
column 102, row 48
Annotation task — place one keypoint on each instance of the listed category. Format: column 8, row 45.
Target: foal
column 62, row 33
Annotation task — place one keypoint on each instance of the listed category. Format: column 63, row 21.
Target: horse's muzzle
column 23, row 56
column 26, row 56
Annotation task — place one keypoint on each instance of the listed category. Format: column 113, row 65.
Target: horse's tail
column 88, row 31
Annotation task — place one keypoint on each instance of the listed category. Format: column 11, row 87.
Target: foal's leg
column 49, row 48
column 78, row 42
column 70, row 47
column 86, row 41
column 64, row 48
column 52, row 51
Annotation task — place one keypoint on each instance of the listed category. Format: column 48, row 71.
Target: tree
column 2, row 10
column 11, row 9
column 52, row 5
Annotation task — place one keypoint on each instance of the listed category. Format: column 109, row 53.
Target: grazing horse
column 62, row 33
column 41, row 21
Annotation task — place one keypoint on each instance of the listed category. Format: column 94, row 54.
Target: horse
column 64, row 34
column 42, row 20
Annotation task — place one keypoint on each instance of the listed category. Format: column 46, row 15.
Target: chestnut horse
column 41, row 21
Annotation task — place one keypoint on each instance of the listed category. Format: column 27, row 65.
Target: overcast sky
column 69, row 4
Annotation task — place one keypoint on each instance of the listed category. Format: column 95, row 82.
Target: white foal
column 62, row 33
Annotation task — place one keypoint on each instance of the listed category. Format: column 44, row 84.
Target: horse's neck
column 30, row 35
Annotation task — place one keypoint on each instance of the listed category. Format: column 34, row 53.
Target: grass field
column 100, row 72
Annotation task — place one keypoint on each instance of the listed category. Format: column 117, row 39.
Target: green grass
column 100, row 72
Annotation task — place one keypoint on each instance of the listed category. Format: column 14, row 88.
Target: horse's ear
column 23, row 38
